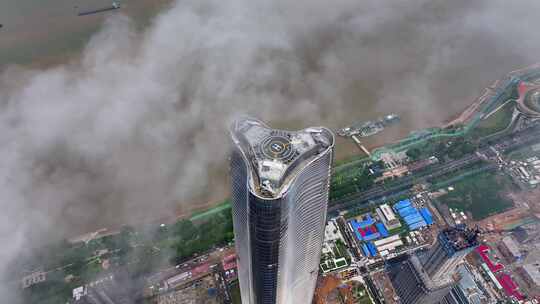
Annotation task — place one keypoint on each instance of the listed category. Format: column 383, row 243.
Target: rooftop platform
column 276, row 156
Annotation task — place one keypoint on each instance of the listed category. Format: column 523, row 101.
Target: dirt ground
column 382, row 279
column 527, row 199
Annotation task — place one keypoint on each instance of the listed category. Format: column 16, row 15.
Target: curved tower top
column 275, row 157
column 280, row 184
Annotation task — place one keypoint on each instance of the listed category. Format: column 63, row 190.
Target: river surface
column 449, row 69
column 44, row 33
column 47, row 33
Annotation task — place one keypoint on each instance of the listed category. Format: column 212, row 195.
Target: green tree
column 414, row 153
column 185, row 230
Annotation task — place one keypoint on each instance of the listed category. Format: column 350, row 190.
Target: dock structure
column 360, row 145
column 368, row 128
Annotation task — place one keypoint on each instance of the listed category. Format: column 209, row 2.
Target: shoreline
column 142, row 13
column 209, row 205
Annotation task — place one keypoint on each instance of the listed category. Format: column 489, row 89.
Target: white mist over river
column 109, row 123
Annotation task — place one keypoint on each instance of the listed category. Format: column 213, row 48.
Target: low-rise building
column 388, row 244
column 33, row 278
column 531, row 273
column 510, row 249
column 205, row 290
column 331, row 232
column 117, row 288
column 387, row 216
column 230, row 267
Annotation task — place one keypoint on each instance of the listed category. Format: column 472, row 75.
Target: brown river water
column 425, row 64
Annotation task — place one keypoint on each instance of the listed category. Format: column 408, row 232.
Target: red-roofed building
column 369, row 233
column 483, row 251
column 201, row 269
column 229, row 262
column 510, row 287
column 362, row 232
column 229, row 267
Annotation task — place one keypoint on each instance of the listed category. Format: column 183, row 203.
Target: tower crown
column 275, row 156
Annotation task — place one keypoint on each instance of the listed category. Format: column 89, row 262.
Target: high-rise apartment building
column 280, row 185
column 429, row 278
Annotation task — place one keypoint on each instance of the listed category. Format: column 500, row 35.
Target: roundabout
column 529, row 99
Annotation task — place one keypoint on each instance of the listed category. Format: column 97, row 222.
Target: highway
column 377, row 191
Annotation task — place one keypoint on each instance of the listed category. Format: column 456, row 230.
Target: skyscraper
column 280, row 183
column 430, row 278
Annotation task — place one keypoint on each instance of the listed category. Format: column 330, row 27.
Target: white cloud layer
column 133, row 128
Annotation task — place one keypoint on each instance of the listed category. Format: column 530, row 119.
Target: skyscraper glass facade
column 280, row 183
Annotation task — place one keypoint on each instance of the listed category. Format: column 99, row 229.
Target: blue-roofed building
column 426, row 214
column 355, row 228
column 412, row 217
column 365, row 249
column 417, row 225
column 404, row 212
column 366, row 221
column 365, row 232
column 370, row 236
column 372, row 249
column 382, row 229
column 402, row 204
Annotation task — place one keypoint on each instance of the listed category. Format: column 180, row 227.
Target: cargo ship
column 114, row 6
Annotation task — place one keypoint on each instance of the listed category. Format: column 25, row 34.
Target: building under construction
column 428, row 279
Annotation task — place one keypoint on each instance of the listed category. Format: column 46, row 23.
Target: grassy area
column 199, row 215
column 360, row 295
column 337, row 258
column 53, row 291
column 139, row 251
column 341, row 263
column 343, row 251
column 398, row 230
column 350, row 181
column 235, row 293
column 359, row 211
column 497, row 122
column 345, row 161
column 328, row 264
column 186, row 238
column 524, row 153
column 442, row 149
column 79, row 261
column 482, row 195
